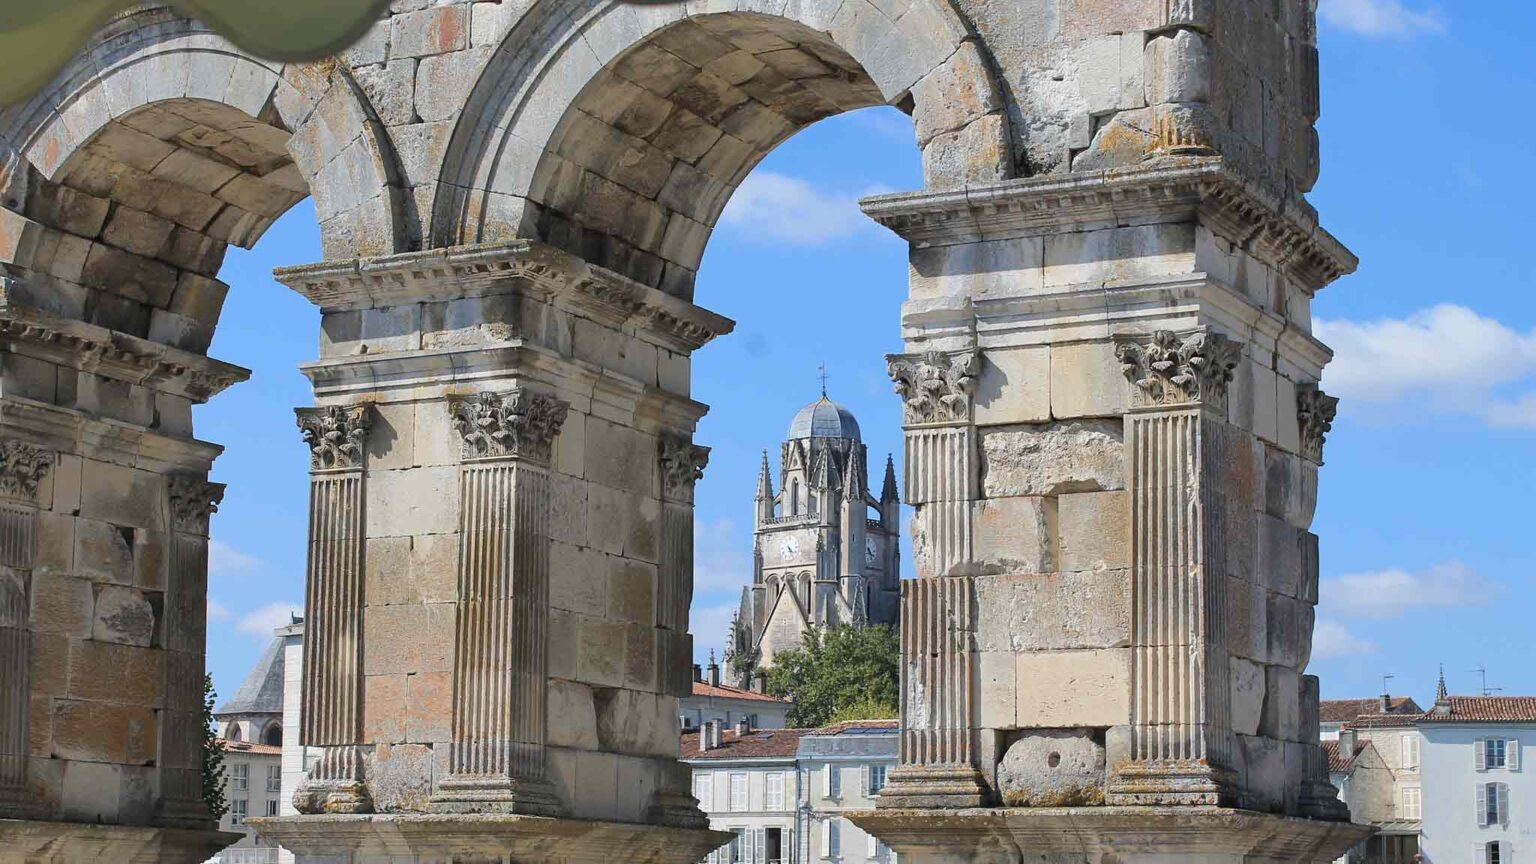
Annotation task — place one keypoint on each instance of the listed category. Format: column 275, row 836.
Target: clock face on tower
column 789, row 548
column 869, row 550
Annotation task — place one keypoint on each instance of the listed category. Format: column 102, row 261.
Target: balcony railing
column 247, row 855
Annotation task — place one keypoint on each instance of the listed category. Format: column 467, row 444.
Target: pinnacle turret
column 821, row 475
column 888, row 490
column 764, row 480
column 852, row 490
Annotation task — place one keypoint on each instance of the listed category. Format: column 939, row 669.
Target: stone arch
column 162, row 144
column 622, row 136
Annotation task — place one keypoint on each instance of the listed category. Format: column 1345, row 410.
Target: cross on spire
column 823, row 377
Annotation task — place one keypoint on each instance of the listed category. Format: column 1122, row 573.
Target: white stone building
column 253, row 785
column 714, row 700
column 746, row 782
column 842, row 769
column 1479, row 799
column 819, row 559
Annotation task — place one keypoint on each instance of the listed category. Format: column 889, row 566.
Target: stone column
column 937, row 763
column 1180, row 740
column 22, row 468
column 497, row 760
column 192, row 501
column 331, row 715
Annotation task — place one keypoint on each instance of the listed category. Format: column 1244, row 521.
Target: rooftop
column 1345, row 710
column 1485, row 709
column 247, row 747
column 1338, row 761
column 859, row 727
column 262, row 690
column 757, row 744
column 824, row 419
column 722, row 691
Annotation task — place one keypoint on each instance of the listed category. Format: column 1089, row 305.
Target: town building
column 843, row 767
column 255, row 713
column 251, row 726
column 818, row 558
column 714, row 700
column 1479, row 801
column 297, row 758
column 1334, row 713
column 746, row 782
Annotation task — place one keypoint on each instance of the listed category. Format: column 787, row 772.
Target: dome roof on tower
column 824, row 419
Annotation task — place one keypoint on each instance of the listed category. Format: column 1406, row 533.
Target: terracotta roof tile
column 248, row 747
column 722, row 691
column 1486, row 709
column 1337, row 762
column 1384, row 721
column 758, row 744
column 838, row 728
column 1345, row 710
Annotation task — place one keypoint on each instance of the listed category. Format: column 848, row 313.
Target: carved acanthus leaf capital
column 337, row 435
column 1168, row 370
column 519, row 423
column 1315, row 411
column 935, row 387
column 22, row 468
column 193, row 500
column 682, row 465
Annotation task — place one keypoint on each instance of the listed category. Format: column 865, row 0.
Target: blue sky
column 1422, row 522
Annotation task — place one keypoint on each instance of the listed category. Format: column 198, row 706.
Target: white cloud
column 722, row 559
column 217, row 611
column 1379, row 18
column 1447, row 358
column 783, row 209
column 225, row 560
column 1389, row 593
column 262, row 621
column 1331, row 639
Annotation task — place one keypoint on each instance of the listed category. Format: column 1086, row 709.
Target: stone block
column 392, row 436
column 1053, row 458
column 1288, row 434
column 408, row 639
column 1053, row 611
column 435, row 442
column 976, row 154
column 107, row 672
column 429, row 707
column 600, row 660
column 1082, row 18
column 417, row 501
column 136, row 231
column 576, row 726
column 609, row 517
column 954, row 94
column 91, row 792
column 1057, row 689
column 1280, row 557
column 49, row 667
column 579, row 578
column 564, row 643
column 1109, row 76
column 399, row 777
column 1307, row 590
column 443, row 81
column 1177, row 67
column 631, row 591
column 384, row 708
column 104, row 732
column 1264, row 764
column 65, row 480
column 1053, row 768
column 122, row 495
column 1290, row 631
column 984, row 270
column 124, row 615
column 62, row 604
column 1094, row 531
column 620, row 457
column 996, row 678
column 1265, row 416
column 1015, row 535
column 1248, row 619
column 634, row 723
column 1132, row 254
column 1248, row 690
column 640, row 656
column 597, row 785
column 1282, row 704
column 1015, row 386
column 1086, row 381
column 391, row 88
column 429, row 32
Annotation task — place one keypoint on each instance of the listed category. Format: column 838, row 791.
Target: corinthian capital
column 682, row 465
column 22, row 467
column 518, row 423
column 193, row 500
column 1315, row 411
column 935, row 387
column 1167, row 370
column 336, row 435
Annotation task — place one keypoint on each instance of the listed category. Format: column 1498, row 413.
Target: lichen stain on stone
column 1072, row 796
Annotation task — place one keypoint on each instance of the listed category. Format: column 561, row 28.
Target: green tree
column 213, row 757
column 839, row 673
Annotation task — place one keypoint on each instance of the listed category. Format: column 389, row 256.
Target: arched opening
column 272, row 736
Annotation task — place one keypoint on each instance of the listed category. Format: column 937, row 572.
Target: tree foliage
column 838, row 673
column 213, row 757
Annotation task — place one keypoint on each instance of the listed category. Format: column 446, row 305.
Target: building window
column 1412, row 807
column 832, row 782
column 237, row 811
column 1492, row 804
column 1496, row 853
column 738, row 792
column 831, row 838
column 274, row 778
column 704, row 790
column 775, row 793
column 240, row 776
column 1497, row 752
column 1410, row 751
column 876, row 780
column 272, row 807
column 733, row 852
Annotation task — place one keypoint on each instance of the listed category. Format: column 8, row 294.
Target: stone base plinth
column 452, row 838
column 25, row 841
column 1100, row 835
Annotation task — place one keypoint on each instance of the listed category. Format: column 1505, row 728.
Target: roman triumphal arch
column 1111, row 404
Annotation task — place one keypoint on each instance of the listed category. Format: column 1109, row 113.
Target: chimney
column 1348, row 739
column 704, row 733
column 743, row 727
column 714, row 674
column 1386, row 703
column 698, row 672
column 716, row 729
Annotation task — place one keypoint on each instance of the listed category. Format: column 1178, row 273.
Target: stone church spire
column 888, row 490
column 764, row 498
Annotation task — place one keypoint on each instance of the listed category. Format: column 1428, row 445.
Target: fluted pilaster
column 682, row 465
column 497, row 762
column 331, row 717
column 22, row 468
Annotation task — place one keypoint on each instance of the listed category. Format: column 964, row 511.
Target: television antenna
column 1482, row 674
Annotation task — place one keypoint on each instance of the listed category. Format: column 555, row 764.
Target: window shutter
column 1480, row 748
column 826, row 839
column 1503, row 804
column 864, row 780
column 826, row 782
column 1512, row 754
column 1482, row 804
column 835, row 825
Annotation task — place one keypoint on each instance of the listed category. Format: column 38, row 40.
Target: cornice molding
column 88, row 348
column 1285, row 235
column 519, row 266
column 69, row 430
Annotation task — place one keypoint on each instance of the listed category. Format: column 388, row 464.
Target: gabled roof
column 1485, row 709
column 1345, row 710
column 247, row 747
column 1338, row 761
column 1384, row 721
column 262, row 690
column 758, row 744
column 723, row 691
column 859, row 727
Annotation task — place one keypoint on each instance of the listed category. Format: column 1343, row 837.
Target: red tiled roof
column 838, row 728
column 1337, row 762
column 248, row 747
column 758, row 744
column 1486, row 709
column 1345, row 710
column 721, row 691
column 1384, row 721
